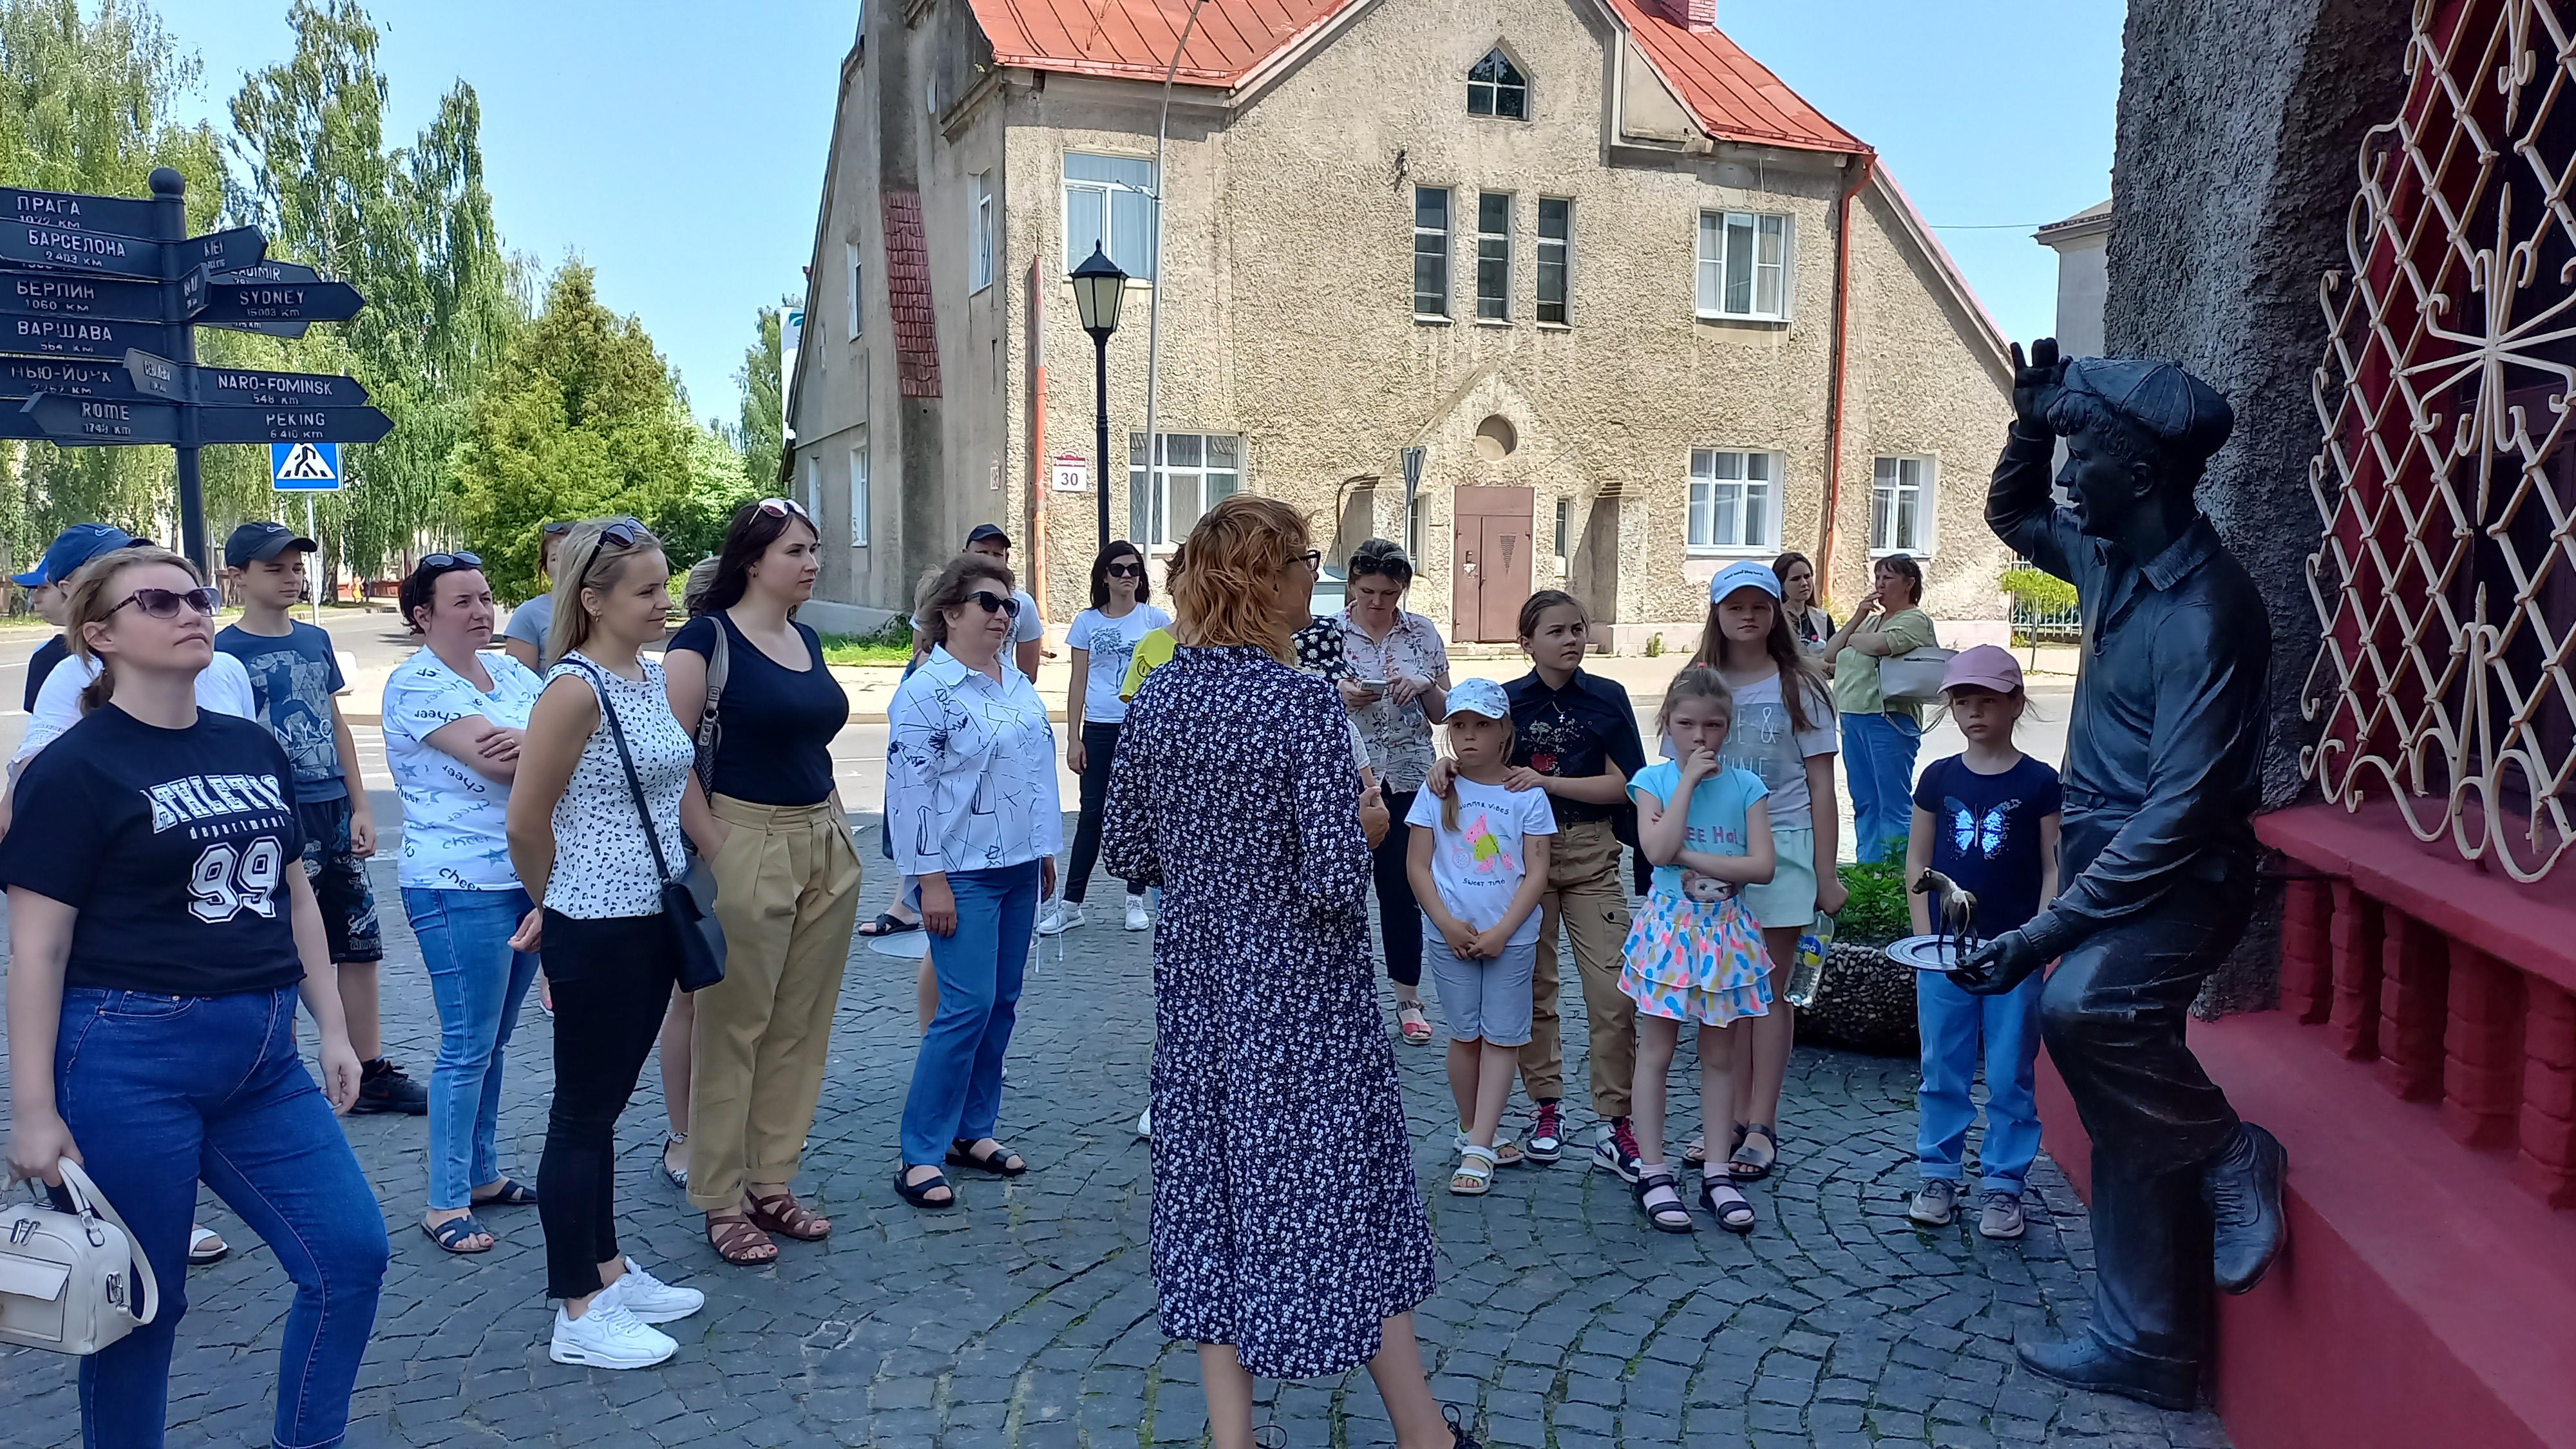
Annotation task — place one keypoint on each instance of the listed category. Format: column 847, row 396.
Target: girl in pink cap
column 1985, row 818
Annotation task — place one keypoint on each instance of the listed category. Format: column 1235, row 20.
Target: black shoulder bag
column 688, row 902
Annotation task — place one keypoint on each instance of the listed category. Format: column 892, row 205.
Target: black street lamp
column 1098, row 288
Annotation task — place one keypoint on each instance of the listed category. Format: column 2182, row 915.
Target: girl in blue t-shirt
column 1986, row 818
column 1695, row 953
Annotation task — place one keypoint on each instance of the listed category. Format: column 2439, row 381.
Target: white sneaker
column 1145, row 1125
column 649, row 1298
column 1059, row 917
column 1137, row 920
column 608, row 1336
column 1935, row 1203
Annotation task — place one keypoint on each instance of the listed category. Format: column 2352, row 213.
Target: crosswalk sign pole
column 310, row 533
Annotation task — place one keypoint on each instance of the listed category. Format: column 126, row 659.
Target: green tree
column 412, row 228
column 579, row 419
column 764, row 424
column 718, row 484
column 85, row 106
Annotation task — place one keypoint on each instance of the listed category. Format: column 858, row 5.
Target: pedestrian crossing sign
column 304, row 467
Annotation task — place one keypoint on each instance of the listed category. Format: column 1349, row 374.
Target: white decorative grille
column 2446, row 578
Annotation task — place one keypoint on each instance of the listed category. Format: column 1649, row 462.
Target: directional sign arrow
column 110, row 254
column 159, row 377
column 89, row 422
column 267, row 272
column 80, row 336
column 27, row 376
column 291, row 425
column 76, row 422
column 53, row 294
column 77, row 213
column 282, row 302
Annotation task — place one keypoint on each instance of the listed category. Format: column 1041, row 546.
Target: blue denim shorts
column 1489, row 999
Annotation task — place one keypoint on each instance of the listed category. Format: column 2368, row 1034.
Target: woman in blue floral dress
column 1289, row 1238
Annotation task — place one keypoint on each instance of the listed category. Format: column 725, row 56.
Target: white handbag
column 67, row 1278
column 1914, row 677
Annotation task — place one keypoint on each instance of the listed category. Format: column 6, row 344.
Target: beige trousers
column 787, row 895
column 1587, row 892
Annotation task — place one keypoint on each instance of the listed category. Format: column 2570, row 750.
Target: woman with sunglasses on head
column 1103, row 639
column 972, row 810
column 787, row 880
column 580, row 837
column 160, row 935
column 454, row 720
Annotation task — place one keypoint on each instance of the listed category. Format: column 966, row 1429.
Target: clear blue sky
column 679, row 147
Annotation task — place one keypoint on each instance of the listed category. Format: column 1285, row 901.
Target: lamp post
column 1098, row 288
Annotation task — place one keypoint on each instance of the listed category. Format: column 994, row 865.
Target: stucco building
column 1644, row 308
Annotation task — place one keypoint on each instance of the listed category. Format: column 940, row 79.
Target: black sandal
column 511, row 1193
column 1744, row 1168
column 1696, row 1155
column 1671, row 1215
column 887, row 923
column 1733, row 1212
column 918, row 1193
column 1001, row 1161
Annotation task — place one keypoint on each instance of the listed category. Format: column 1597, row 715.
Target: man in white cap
column 2163, row 776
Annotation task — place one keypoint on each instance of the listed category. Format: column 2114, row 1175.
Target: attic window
column 1495, row 87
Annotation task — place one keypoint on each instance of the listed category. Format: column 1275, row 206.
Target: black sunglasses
column 457, row 560
column 166, row 603
column 554, row 530
column 1126, row 569
column 993, row 604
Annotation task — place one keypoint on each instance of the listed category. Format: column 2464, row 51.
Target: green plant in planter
column 2040, row 592
column 1877, row 912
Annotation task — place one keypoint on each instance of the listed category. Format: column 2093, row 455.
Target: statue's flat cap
column 2185, row 413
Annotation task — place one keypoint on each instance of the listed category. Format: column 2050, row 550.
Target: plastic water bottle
column 1807, row 971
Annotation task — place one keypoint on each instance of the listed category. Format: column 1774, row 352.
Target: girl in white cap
column 1986, row 819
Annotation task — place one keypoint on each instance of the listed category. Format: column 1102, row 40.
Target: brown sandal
column 739, row 1241
column 782, row 1213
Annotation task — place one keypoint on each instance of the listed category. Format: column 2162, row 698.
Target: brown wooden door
column 1492, row 557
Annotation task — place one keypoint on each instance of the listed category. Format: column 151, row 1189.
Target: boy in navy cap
column 46, row 594
column 294, row 674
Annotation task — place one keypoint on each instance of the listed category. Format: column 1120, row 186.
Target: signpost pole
column 318, row 584
column 170, row 209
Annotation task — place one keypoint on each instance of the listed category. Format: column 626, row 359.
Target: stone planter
column 1865, row 1004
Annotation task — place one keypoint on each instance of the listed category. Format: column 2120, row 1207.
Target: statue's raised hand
column 2035, row 385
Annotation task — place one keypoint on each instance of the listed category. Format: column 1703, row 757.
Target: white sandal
column 1474, row 1176
column 1507, row 1153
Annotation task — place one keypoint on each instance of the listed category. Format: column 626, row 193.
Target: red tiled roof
column 1135, row 38
column 1728, row 92
column 1732, row 95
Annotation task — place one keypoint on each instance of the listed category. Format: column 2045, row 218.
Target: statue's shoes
column 2243, row 1189
column 2086, row 1362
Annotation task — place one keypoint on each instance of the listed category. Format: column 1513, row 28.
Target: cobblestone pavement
column 1027, row 1318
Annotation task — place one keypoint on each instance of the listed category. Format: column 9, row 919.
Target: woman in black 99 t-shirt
column 787, row 882
column 161, row 929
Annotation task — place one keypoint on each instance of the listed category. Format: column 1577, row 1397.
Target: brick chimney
column 1692, row 14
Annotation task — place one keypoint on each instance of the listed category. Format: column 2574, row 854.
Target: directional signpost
column 100, row 297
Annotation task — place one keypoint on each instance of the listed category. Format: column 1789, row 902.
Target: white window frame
column 859, row 503
column 979, row 220
column 814, row 488
column 1161, row 534
column 1115, row 200
column 856, row 271
column 1757, row 514
column 1716, row 264
column 1495, row 88
column 1448, row 225
column 1495, row 247
column 1557, row 252
column 1887, row 478
column 1564, row 533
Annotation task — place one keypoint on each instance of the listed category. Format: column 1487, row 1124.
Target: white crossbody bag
column 67, row 1279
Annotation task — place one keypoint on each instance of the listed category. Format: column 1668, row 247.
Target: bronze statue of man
column 2163, row 776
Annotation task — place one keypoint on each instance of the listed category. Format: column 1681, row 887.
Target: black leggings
column 612, row 981
column 1399, row 916
column 1099, row 748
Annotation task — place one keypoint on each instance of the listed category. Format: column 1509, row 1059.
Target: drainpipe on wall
column 1154, row 298
column 1842, row 363
column 1041, row 468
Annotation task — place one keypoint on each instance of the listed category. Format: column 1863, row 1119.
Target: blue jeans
column 1952, row 1020
column 479, row 983
column 957, row 1079
column 1878, row 759
column 160, row 1091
